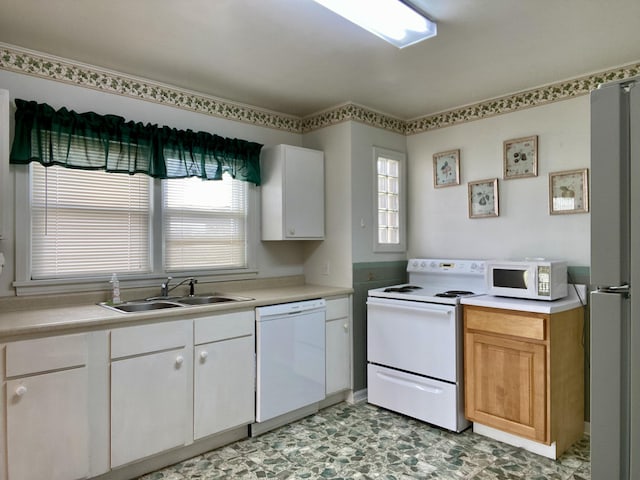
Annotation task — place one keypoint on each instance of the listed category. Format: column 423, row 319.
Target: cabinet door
column 303, row 193
column 338, row 364
column 149, row 405
column 224, row 381
column 48, row 426
column 506, row 385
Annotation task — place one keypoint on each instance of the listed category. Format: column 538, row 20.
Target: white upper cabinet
column 292, row 193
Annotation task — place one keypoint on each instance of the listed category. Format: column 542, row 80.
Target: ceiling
column 296, row 57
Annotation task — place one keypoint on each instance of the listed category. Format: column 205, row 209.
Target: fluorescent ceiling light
column 391, row 20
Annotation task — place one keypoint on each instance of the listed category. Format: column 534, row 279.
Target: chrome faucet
column 164, row 287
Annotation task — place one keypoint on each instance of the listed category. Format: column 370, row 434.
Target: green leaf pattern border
column 53, row 68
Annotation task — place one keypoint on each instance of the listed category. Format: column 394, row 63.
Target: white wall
column 329, row 262
column 438, row 218
column 349, row 202
column 274, row 259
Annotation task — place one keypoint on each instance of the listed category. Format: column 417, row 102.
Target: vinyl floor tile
column 364, row 442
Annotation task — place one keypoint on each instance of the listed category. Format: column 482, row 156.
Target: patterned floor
column 364, row 442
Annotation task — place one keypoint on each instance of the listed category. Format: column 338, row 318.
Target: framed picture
column 446, row 169
column 569, row 191
column 483, row 198
column 521, row 157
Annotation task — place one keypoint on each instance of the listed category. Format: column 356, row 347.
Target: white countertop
column 70, row 318
column 570, row 302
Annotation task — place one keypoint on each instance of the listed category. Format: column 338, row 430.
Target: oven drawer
column 426, row 399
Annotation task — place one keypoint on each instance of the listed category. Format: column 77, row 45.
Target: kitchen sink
column 159, row 303
column 208, row 299
column 143, row 306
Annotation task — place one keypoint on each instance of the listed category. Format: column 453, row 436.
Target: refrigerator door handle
column 623, row 289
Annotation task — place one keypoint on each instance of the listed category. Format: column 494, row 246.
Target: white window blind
column 205, row 223
column 88, row 222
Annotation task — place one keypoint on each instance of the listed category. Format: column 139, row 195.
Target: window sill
column 95, row 284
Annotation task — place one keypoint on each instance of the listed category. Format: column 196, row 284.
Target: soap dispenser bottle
column 115, row 287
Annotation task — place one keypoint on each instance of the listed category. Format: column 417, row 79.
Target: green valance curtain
column 108, row 142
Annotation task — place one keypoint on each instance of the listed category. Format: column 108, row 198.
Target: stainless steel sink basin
column 157, row 303
column 144, row 306
column 208, row 299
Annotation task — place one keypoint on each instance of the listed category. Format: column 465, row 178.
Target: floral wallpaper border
column 52, row 68
column 352, row 111
column 519, row 101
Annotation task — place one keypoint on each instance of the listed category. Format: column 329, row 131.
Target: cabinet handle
column 292, row 231
column 346, row 327
column 21, row 390
column 179, row 360
column 203, row 355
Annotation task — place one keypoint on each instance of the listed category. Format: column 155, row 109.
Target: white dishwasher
column 290, row 354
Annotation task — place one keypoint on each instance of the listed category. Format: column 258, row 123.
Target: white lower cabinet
column 76, row 406
column 47, row 426
column 338, row 345
column 151, row 397
column 224, row 373
column 47, row 412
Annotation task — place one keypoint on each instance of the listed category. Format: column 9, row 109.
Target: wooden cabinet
column 524, row 373
column 47, row 409
column 292, row 193
column 338, row 345
column 151, row 397
column 224, row 372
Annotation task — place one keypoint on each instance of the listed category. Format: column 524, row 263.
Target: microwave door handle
column 526, row 279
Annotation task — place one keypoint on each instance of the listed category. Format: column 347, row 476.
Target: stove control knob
column 415, row 263
column 423, row 264
column 474, row 266
column 433, row 265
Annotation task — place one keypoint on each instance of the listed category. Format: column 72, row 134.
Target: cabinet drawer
column 337, row 308
column 506, row 322
column 142, row 339
column 46, row 354
column 219, row 327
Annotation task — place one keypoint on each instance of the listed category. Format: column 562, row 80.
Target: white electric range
column 414, row 341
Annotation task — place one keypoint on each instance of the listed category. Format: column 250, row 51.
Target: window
column 205, row 223
column 389, row 201
column 78, row 224
column 88, row 222
column 91, row 223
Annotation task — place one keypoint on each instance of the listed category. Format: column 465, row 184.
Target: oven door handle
column 411, row 384
column 443, row 310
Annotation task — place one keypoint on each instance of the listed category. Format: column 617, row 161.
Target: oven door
column 418, row 337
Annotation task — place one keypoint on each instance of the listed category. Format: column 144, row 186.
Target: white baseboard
column 256, row 429
column 357, row 397
column 549, row 451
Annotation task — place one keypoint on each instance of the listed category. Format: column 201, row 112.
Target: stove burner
column 453, row 293
column 404, row 289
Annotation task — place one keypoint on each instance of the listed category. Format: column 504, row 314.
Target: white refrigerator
column 615, row 271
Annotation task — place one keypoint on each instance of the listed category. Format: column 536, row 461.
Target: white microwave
column 533, row 279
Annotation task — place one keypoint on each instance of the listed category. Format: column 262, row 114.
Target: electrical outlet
column 325, row 268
